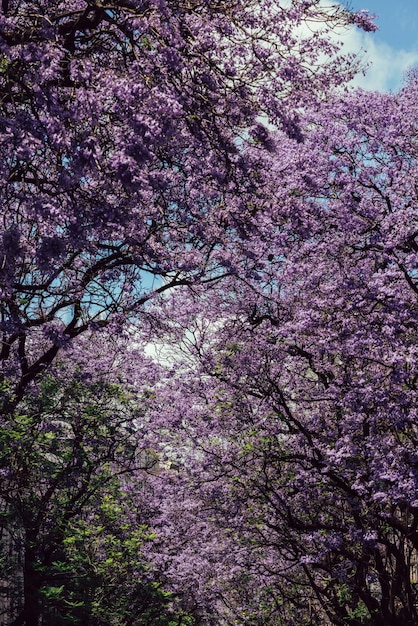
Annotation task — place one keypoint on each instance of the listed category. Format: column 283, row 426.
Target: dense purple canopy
column 299, row 434
column 205, row 146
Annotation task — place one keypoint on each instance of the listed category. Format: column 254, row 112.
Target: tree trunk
column 31, row 611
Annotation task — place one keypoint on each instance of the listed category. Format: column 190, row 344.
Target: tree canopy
column 199, row 174
column 299, row 430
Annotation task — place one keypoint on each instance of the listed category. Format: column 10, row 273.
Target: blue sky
column 392, row 49
column 398, row 21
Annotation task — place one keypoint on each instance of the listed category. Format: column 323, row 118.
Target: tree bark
column 31, row 611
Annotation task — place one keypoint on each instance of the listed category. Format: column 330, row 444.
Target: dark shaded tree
column 75, row 502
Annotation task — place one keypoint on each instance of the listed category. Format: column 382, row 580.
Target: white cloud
column 387, row 65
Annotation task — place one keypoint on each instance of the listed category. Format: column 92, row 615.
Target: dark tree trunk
column 32, row 582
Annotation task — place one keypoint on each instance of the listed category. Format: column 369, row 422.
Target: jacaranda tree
column 297, row 439
column 135, row 149
column 123, row 149
column 74, row 503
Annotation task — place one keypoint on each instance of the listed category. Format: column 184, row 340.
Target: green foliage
column 67, row 454
column 103, row 571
